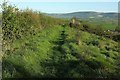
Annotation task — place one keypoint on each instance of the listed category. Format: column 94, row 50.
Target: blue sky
column 67, row 7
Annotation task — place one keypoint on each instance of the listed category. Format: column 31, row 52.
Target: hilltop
column 87, row 15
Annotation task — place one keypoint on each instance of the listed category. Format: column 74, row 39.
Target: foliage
column 54, row 53
column 44, row 48
column 20, row 23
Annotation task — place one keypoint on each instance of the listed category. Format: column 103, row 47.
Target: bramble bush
column 20, row 23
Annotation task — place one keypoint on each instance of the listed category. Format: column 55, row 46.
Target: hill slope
column 37, row 46
column 54, row 53
column 86, row 15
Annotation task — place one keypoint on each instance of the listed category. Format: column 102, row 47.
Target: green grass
column 39, row 47
column 53, row 52
column 33, row 50
column 105, row 24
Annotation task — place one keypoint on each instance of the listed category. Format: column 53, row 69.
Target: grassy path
column 53, row 52
column 31, row 52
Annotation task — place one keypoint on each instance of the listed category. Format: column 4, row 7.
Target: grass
column 41, row 47
column 53, row 52
column 32, row 50
column 105, row 24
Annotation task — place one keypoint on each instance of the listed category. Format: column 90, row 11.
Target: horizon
column 68, row 7
column 82, row 12
column 77, row 12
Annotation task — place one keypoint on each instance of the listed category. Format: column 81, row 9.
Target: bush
column 17, row 24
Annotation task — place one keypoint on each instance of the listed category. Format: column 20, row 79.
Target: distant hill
column 87, row 15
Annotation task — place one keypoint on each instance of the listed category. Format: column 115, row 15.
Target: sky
column 63, row 0
column 62, row 6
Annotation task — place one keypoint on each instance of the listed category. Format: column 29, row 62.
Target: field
column 105, row 24
column 40, row 46
column 54, row 53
